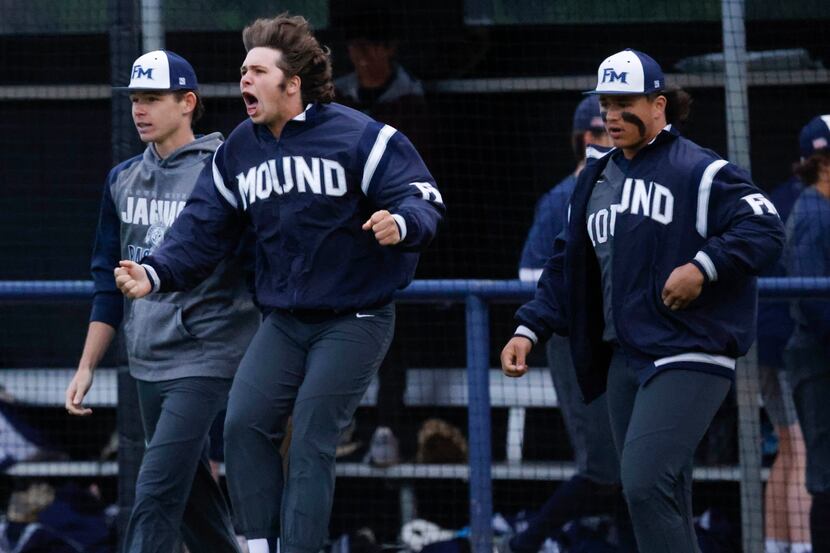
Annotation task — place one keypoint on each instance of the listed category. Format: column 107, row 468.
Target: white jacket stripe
column 703, row 195
column 375, row 156
column 219, row 183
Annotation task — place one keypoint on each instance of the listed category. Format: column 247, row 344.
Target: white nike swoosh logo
column 362, row 315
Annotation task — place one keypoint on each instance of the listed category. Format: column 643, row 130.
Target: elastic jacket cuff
column 155, row 282
column 401, row 222
column 525, row 332
column 703, row 262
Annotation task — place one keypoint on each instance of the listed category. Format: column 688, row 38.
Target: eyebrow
column 244, row 67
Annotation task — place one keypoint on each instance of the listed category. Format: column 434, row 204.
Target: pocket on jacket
column 179, row 318
column 157, row 332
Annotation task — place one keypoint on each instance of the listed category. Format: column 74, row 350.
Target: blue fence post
column 478, row 385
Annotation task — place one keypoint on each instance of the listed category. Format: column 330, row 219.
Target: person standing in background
column 183, row 347
column 807, row 357
column 379, row 85
column 786, row 500
column 595, row 488
column 383, row 89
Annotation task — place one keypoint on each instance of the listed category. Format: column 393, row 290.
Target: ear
column 189, row 100
column 659, row 104
column 293, row 85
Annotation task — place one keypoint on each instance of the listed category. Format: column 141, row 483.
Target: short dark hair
column 678, row 104
column 199, row 110
column 808, row 169
column 302, row 55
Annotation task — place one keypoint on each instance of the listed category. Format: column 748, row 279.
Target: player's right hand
column 131, row 278
column 514, row 355
column 75, row 392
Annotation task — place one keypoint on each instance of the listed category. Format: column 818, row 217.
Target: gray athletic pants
column 588, row 426
column 315, row 369
column 176, row 496
column 656, row 429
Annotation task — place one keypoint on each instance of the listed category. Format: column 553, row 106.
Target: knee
column 150, row 496
column 315, row 430
column 643, row 481
column 239, row 421
column 307, row 447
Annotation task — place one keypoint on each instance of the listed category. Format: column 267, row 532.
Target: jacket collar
column 307, row 115
column 666, row 134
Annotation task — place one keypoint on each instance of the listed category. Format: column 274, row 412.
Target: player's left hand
column 682, row 287
column 385, row 228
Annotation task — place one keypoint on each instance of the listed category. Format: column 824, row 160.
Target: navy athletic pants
column 656, row 429
column 316, row 370
column 176, row 496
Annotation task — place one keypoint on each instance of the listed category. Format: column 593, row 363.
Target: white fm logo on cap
column 151, row 71
column 622, row 72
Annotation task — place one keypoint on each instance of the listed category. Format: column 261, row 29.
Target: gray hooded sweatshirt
column 202, row 332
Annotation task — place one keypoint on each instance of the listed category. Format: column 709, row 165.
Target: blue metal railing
column 427, row 290
column 476, row 294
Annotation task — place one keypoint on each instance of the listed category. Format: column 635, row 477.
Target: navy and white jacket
column 306, row 196
column 680, row 203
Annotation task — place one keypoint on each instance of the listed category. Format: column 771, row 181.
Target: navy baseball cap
column 629, row 72
column 161, row 70
column 587, row 117
column 814, row 136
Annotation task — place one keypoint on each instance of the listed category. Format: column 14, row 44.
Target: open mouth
column 143, row 127
column 251, row 102
column 614, row 131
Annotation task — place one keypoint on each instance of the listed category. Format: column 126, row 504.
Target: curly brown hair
column 302, row 55
column 678, row 104
column 809, row 170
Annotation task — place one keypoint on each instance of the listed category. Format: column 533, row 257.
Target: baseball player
column 807, row 357
column 653, row 281
column 786, row 501
column 183, row 347
column 341, row 206
column 595, row 487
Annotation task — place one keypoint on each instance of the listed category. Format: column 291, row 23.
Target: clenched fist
column 385, row 228
column 131, row 278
